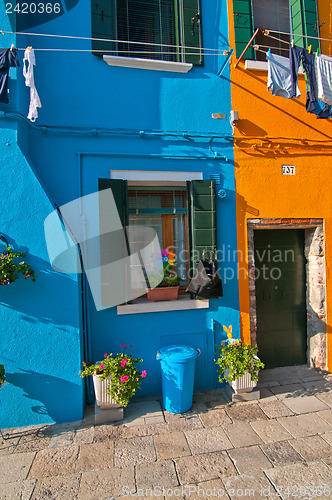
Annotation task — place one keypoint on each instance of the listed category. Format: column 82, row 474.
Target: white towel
column 29, row 58
column 323, row 66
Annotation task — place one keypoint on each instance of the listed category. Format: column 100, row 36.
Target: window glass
column 273, row 15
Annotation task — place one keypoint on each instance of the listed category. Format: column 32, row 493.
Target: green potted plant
column 10, row 268
column 2, row 376
column 168, row 288
column 115, row 379
column 238, row 363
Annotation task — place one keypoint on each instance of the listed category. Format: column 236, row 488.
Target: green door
column 281, row 297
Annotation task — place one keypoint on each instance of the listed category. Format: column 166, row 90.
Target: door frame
column 315, row 282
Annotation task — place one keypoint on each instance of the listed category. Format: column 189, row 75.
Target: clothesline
column 116, row 52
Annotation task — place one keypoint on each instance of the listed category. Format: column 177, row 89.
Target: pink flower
column 131, row 345
column 102, row 366
column 125, row 378
column 124, row 362
column 84, row 363
column 136, row 379
column 105, row 355
column 143, row 373
column 123, row 346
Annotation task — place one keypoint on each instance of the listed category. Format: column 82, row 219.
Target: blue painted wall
column 89, row 102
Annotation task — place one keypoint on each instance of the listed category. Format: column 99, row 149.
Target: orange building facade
column 283, row 175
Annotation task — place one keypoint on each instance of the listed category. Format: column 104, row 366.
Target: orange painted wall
column 273, row 131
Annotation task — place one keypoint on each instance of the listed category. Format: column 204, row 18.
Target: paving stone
column 266, row 394
column 144, row 430
column 7, row 446
column 171, row 445
column 328, row 461
column 241, row 434
column 207, row 440
column 204, row 467
column 249, row 459
column 326, row 415
column 59, row 488
column 274, row 409
column 95, row 456
column 84, row 436
column 304, row 425
column 54, row 462
column 328, row 437
column 19, row 490
column 305, row 404
column 32, row 442
column 134, row 451
column 62, row 439
column 213, row 488
column 272, row 383
column 246, row 412
column 106, row 433
column 214, row 418
column 184, row 423
column 281, row 453
column 161, row 474
column 15, row 467
column 58, row 429
column 250, row 485
column 311, row 448
column 297, row 480
column 326, row 397
column 316, row 386
column 106, row 484
column 270, row 431
column 289, row 391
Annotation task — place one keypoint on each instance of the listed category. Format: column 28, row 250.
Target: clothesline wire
column 116, row 52
column 267, row 47
column 71, row 37
column 298, row 34
column 278, row 39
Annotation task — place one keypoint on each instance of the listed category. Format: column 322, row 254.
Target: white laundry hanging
column 323, row 66
column 29, row 61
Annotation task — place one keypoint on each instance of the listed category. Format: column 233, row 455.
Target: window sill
column 143, row 306
column 261, row 66
column 138, row 63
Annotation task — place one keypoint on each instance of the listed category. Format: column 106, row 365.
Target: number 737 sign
column 288, row 169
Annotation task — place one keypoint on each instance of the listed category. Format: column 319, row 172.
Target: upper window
column 168, row 30
column 278, row 16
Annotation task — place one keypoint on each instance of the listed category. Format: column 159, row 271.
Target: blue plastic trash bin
column 177, row 376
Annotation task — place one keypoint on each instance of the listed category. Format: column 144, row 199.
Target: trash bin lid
column 177, row 353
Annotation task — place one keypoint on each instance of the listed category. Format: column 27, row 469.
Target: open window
column 280, row 16
column 169, row 30
column 184, row 218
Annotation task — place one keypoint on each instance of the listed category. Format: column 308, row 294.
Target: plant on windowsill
column 238, row 363
column 2, row 376
column 116, row 379
column 9, row 268
column 168, row 288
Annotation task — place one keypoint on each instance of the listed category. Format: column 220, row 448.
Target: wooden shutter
column 113, row 240
column 202, row 219
column 192, row 37
column 103, row 25
column 305, row 22
column 243, row 27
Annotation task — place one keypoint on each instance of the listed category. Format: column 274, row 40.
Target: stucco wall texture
column 271, row 132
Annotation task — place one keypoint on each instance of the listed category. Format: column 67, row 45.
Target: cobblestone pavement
column 277, row 447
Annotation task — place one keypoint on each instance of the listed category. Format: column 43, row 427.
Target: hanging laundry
column 279, row 76
column 323, row 66
column 29, row 61
column 299, row 55
column 8, row 59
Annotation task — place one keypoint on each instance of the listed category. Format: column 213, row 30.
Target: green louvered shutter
column 305, row 22
column 202, row 219
column 113, row 238
column 192, row 36
column 103, row 25
column 243, row 27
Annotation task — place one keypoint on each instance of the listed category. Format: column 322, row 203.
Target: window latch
column 197, row 18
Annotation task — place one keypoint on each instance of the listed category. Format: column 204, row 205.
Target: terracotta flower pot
column 163, row 293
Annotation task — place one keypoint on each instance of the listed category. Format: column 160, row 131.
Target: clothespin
column 29, row 48
column 269, row 52
column 266, row 32
column 292, row 43
column 318, row 51
column 225, row 53
column 12, row 46
column 309, row 49
column 255, row 47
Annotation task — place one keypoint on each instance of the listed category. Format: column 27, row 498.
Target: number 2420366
column 33, row 8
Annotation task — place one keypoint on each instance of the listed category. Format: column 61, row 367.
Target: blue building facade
column 154, row 129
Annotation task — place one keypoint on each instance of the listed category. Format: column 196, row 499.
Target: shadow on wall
column 54, row 393
column 51, row 299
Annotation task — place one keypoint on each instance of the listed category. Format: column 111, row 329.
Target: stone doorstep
column 244, row 396
column 107, row 415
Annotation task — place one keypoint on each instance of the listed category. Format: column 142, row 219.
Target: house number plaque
column 288, row 169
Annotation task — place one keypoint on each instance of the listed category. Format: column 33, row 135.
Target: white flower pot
column 103, row 399
column 243, row 384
